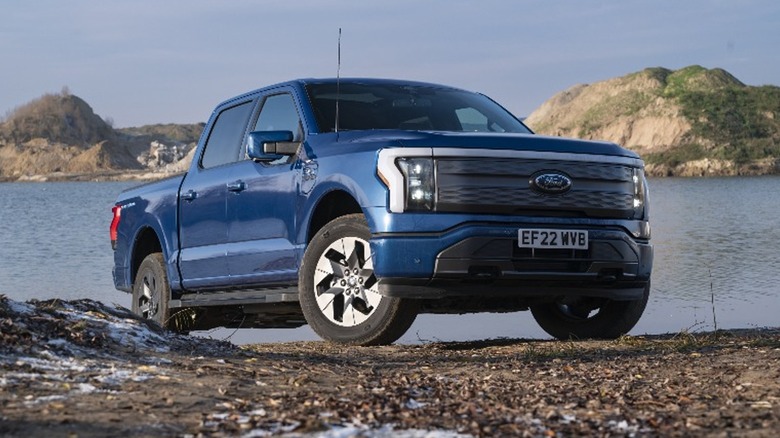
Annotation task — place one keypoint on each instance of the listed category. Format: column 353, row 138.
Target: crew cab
column 353, row 205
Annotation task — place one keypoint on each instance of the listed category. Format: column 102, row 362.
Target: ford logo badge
column 550, row 183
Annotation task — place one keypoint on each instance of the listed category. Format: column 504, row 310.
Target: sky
column 171, row 61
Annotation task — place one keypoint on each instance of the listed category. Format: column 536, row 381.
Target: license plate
column 552, row 239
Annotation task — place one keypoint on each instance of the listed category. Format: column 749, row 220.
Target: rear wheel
column 339, row 292
column 151, row 291
column 590, row 318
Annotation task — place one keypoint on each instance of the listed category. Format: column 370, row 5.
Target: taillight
column 117, row 210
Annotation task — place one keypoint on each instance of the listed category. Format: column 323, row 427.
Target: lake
column 717, row 251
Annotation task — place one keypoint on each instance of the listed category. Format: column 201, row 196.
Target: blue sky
column 169, row 61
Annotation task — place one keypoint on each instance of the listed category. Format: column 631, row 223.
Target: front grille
column 501, row 186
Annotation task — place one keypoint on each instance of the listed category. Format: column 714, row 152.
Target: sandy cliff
column 58, row 136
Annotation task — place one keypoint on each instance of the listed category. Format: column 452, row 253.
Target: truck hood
column 481, row 140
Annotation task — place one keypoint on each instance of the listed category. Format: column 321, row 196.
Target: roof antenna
column 338, row 85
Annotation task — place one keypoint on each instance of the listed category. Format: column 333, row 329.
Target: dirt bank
column 83, row 368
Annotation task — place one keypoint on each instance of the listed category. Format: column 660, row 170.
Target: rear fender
column 168, row 243
column 142, row 219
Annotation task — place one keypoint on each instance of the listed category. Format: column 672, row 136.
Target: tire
column 151, row 291
column 339, row 291
column 590, row 318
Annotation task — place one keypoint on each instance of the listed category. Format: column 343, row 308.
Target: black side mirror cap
column 271, row 145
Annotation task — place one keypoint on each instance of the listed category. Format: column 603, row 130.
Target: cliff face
column 60, row 134
column 691, row 122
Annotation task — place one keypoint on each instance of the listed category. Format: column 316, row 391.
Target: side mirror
column 271, row 145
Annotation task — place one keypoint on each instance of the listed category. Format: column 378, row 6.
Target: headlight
column 640, row 194
column 419, row 183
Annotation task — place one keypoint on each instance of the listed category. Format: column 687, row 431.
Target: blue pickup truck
column 353, row 205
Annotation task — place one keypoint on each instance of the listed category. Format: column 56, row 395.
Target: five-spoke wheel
column 339, row 292
column 343, row 281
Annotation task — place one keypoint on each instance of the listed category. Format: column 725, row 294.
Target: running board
column 236, row 298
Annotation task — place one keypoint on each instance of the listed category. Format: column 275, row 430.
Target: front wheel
column 339, row 292
column 590, row 318
column 151, row 291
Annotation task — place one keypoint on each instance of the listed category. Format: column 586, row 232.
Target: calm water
column 717, row 237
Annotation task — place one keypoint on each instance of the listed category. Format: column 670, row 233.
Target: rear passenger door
column 203, row 215
column 261, row 211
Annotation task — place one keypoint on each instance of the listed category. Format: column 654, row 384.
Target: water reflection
column 55, row 241
column 713, row 237
column 720, row 231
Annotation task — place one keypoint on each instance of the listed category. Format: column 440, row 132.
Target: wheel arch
column 146, row 242
column 331, row 205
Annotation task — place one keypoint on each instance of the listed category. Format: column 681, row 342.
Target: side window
column 224, row 142
column 279, row 114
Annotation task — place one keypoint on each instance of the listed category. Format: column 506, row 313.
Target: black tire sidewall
column 614, row 319
column 153, row 265
column 391, row 318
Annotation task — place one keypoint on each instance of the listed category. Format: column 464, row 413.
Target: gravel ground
column 81, row 368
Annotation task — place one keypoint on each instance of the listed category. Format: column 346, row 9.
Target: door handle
column 189, row 196
column 236, row 186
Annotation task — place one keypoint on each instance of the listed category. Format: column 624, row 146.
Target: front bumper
column 485, row 260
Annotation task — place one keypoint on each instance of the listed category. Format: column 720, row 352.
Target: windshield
column 407, row 107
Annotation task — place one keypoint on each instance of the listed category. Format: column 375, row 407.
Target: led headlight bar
column 420, row 187
column 640, row 193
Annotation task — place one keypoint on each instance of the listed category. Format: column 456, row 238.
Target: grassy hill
column 692, row 121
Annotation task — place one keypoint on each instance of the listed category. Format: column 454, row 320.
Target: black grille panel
column 502, row 186
column 482, row 257
column 554, row 260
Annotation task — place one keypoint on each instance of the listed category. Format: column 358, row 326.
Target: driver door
column 261, row 209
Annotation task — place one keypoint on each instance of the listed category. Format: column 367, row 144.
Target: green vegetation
column 741, row 122
column 733, row 121
column 696, row 78
column 628, row 103
column 658, row 73
column 729, row 120
column 677, row 155
column 678, row 82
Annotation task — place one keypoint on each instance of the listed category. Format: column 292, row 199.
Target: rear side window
column 224, row 142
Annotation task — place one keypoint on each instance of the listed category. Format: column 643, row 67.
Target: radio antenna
column 338, row 84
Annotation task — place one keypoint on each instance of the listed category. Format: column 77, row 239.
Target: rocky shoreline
column 83, row 368
column 714, row 167
column 108, row 175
